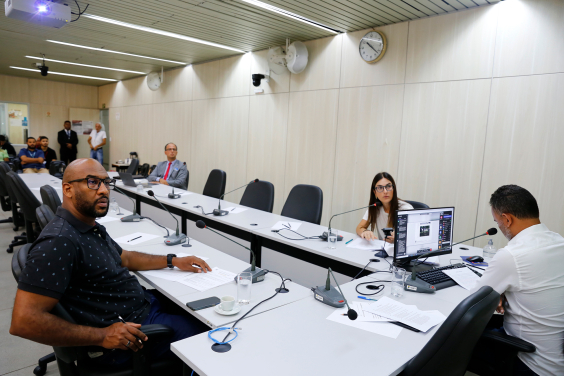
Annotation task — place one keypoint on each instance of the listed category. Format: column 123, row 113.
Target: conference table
column 289, row 333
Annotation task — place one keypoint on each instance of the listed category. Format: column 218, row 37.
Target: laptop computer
column 130, row 182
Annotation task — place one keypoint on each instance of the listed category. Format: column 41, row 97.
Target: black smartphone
column 203, row 303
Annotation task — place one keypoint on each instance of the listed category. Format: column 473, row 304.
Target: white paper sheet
column 141, row 237
column 463, row 276
column 234, row 210
column 285, row 224
column 372, row 245
column 409, row 315
column 206, row 281
column 106, row 219
column 364, row 314
column 173, row 274
column 382, row 328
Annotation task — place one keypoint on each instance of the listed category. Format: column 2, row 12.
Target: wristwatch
column 169, row 260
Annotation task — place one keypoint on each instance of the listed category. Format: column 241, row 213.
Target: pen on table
column 123, row 321
column 349, row 241
column 134, row 238
column 405, row 326
column 365, row 298
column 477, row 267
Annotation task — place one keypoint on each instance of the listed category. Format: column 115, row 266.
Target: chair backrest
column 417, row 205
column 9, row 185
column 152, row 169
column 44, row 215
column 305, row 203
column 50, row 197
column 215, row 186
column 259, row 195
column 144, row 169
column 57, row 168
column 4, row 169
column 27, row 201
column 449, row 351
column 132, row 169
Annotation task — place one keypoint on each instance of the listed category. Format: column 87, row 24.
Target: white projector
column 41, row 12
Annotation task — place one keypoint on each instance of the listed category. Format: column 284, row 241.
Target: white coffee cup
column 227, row 303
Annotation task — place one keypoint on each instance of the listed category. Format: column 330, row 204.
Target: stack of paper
column 465, row 277
column 206, row 281
column 409, row 315
column 173, row 274
column 365, row 321
column 368, row 245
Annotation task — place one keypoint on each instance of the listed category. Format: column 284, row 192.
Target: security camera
column 44, row 69
column 257, row 77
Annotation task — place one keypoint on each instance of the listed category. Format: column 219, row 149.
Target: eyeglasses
column 388, row 188
column 170, row 149
column 95, row 183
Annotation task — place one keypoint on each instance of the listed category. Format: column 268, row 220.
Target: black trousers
column 67, row 157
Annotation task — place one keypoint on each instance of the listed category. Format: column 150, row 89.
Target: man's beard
column 90, row 210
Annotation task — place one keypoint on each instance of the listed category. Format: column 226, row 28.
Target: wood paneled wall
column 460, row 104
column 49, row 101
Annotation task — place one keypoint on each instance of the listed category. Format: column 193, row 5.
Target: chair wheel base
column 9, row 250
column 40, row 371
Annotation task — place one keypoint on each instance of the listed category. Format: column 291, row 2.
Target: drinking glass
column 332, row 237
column 244, row 283
column 113, row 206
column 398, row 281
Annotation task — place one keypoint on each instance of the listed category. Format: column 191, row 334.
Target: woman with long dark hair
column 384, row 194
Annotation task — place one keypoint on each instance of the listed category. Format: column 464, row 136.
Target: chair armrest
column 157, row 332
column 509, row 342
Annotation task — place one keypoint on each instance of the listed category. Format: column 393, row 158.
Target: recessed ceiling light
column 115, row 52
column 291, row 15
column 160, row 32
column 66, row 74
column 85, row 65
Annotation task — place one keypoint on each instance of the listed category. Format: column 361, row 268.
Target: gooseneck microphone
column 491, row 231
column 218, row 211
column 133, row 217
column 178, row 237
column 257, row 273
column 324, row 236
column 173, row 195
column 328, row 295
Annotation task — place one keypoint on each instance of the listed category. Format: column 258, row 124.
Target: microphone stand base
column 131, row 218
column 175, row 239
column 170, row 195
column 221, row 348
column 382, row 254
column 218, row 212
column 257, row 274
column 331, row 297
column 324, row 237
column 187, row 244
column 282, row 290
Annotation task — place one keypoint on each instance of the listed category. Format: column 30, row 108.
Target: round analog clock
column 372, row 46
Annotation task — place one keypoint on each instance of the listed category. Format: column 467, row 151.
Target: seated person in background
column 529, row 273
column 38, row 142
column 4, row 155
column 76, row 263
column 4, row 144
column 383, row 192
column 32, row 158
column 170, row 172
column 50, row 154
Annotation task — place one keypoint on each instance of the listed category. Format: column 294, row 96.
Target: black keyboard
column 440, row 280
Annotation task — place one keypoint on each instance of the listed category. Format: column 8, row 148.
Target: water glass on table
column 244, row 283
column 398, row 281
column 332, row 238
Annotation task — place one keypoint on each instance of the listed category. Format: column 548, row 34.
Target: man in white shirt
column 97, row 140
column 529, row 272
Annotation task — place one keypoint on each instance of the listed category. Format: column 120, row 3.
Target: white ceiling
column 233, row 23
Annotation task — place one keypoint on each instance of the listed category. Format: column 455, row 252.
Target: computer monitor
column 420, row 231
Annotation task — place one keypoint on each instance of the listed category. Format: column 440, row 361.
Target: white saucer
column 236, row 309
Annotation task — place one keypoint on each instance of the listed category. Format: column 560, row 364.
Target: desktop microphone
column 218, row 211
column 257, row 273
column 133, row 217
column 491, row 231
column 328, row 295
column 339, row 238
column 172, row 195
column 415, row 284
column 177, row 238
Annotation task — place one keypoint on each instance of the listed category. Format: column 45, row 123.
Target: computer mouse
column 475, row 259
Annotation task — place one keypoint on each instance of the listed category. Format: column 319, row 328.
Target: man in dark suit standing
column 68, row 140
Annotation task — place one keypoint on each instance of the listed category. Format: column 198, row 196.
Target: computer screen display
column 421, row 231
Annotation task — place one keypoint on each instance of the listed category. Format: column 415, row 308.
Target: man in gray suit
column 171, row 172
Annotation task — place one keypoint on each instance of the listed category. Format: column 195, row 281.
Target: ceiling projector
column 41, row 12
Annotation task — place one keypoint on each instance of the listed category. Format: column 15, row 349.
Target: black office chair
column 17, row 216
column 50, row 197
column 28, row 203
column 304, row 203
column 449, row 351
column 44, row 215
column 215, row 185
column 57, row 169
column 16, row 165
column 144, row 170
column 5, row 202
column 74, row 361
column 152, row 168
column 417, row 205
column 259, row 195
column 132, row 169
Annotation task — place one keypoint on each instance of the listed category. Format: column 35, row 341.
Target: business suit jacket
column 178, row 174
column 64, row 140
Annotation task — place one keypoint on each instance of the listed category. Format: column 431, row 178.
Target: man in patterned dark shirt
column 75, row 262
